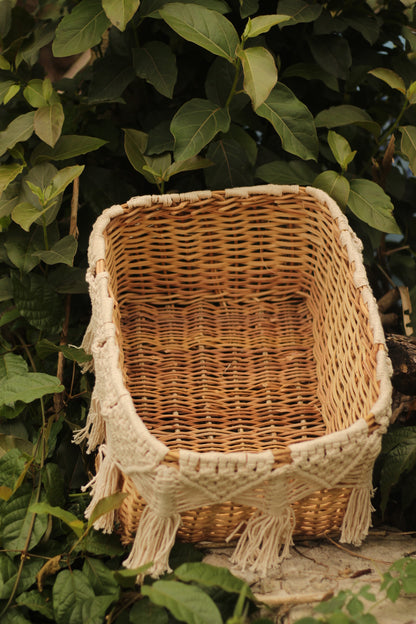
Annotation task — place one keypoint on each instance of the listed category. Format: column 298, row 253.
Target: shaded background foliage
column 102, row 100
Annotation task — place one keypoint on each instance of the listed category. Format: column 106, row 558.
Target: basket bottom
column 317, row 515
column 223, row 376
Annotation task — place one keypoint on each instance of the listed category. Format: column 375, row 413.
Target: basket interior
column 238, row 322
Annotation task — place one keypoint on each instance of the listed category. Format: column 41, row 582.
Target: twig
column 58, row 399
column 272, row 600
column 353, row 554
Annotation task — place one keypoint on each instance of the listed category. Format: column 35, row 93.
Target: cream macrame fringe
column 153, row 542
column 105, row 483
column 94, row 430
column 265, row 541
column 357, row 518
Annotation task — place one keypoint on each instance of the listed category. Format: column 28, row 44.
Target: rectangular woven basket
column 242, row 382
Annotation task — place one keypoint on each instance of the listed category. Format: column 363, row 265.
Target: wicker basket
column 242, row 382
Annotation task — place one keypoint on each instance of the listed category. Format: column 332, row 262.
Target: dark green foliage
column 176, row 96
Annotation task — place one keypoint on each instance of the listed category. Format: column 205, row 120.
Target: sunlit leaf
column 81, row 29
column 344, row 115
column 369, row 202
column 7, row 174
column 206, row 28
column 262, row 24
column 341, row 149
column 67, row 146
column 260, row 74
column 62, row 252
column 20, row 129
column 105, row 505
column 408, row 145
column 69, row 518
column 187, row 603
column 390, row 77
column 48, row 123
column 335, row 185
column 120, row 12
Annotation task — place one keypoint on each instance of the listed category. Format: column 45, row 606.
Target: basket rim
column 380, row 410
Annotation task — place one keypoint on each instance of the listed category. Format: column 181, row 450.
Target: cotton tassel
column 94, row 430
column 105, row 483
column 265, row 541
column 87, row 346
column 357, row 518
column 154, row 539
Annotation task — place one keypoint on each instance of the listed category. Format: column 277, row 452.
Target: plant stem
column 394, row 125
column 24, row 552
column 234, row 85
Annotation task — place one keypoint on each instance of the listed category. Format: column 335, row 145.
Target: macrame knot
column 265, row 541
column 94, row 430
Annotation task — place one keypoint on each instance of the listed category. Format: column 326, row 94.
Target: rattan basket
column 242, row 381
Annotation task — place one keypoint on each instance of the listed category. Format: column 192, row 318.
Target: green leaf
column 94, row 610
column 35, row 601
column 11, row 364
column 335, row 185
column 408, row 145
column 369, row 202
column 25, row 214
column 61, row 180
column 81, row 29
column 195, row 124
column 156, row 63
column 389, row 77
column 7, row 174
column 9, row 576
column 231, row 164
column 367, row 25
column 16, row 520
column 262, row 24
column 344, row 115
column 135, row 143
column 399, row 457
column 206, row 28
column 190, row 164
column 6, row 291
column 393, row 590
column 312, row 71
column 150, row 8
column 27, row 388
column 119, row 12
column 45, row 347
column 70, row 591
column 66, row 516
column 67, row 146
column 299, row 11
column 101, row 578
column 332, row 53
column 43, row 34
column 38, row 303
column 145, row 611
column 33, row 93
column 105, row 505
column 160, row 139
column 62, row 252
column 18, row 130
column 12, row 463
column 54, row 482
column 187, row 603
column 111, row 77
column 13, row 90
column 260, row 74
column 48, row 123
column 212, row 576
column 341, row 149
column 5, row 87
column 287, row 172
column 355, row 606
column 292, row 121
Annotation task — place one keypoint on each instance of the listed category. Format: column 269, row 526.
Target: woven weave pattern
column 234, row 335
